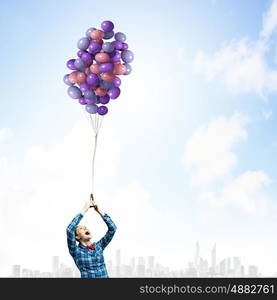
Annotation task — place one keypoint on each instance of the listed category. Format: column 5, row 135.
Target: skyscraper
column 55, row 266
column 197, row 256
column 213, row 260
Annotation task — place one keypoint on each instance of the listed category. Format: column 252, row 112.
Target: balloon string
column 93, row 160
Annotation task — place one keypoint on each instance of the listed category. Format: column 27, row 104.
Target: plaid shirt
column 90, row 262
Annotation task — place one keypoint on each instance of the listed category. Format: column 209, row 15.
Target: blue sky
column 163, row 103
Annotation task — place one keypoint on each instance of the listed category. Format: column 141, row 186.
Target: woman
column 88, row 256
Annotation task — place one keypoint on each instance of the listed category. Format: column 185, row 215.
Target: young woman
column 88, row 256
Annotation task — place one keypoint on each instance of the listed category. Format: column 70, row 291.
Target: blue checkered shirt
column 90, row 262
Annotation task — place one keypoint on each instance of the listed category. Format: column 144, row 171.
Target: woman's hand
column 87, row 205
column 95, row 205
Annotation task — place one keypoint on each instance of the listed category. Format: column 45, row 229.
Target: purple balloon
column 89, row 31
column 66, row 81
column 104, row 99
column 117, row 45
column 90, row 101
column 79, row 64
column 128, row 69
column 119, row 36
column 91, row 108
column 108, row 35
column 107, row 26
column 124, row 46
column 70, row 64
column 127, row 56
column 116, row 57
column 108, row 47
column 89, row 95
column 106, row 85
column 106, row 67
column 83, row 43
column 102, row 110
column 117, row 81
column 74, row 92
column 84, row 87
column 82, row 101
column 80, row 53
column 92, row 79
column 86, row 57
column 114, row 92
column 94, row 47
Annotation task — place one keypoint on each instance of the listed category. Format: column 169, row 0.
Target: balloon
column 102, row 110
column 104, row 99
column 95, row 68
column 102, row 57
column 92, row 79
column 89, row 95
column 88, row 32
column 100, row 91
column 117, row 45
column 119, row 36
column 108, row 77
column 82, row 101
column 108, row 35
column 80, row 52
column 128, row 69
column 74, row 92
column 114, row 92
column 73, row 77
column 97, row 34
column 84, row 87
column 70, row 64
column 86, row 57
column 119, row 69
column 117, row 81
column 79, row 64
column 108, row 47
column 91, row 108
column 83, row 43
column 116, row 57
column 107, row 26
column 94, row 47
column 66, row 80
column 81, row 77
column 127, row 56
column 106, row 85
column 90, row 101
column 124, row 46
column 106, row 67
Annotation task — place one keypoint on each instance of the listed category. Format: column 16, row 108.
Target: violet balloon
column 91, row 108
column 116, row 57
column 79, row 64
column 107, row 26
column 90, row 95
column 127, row 56
column 66, row 80
column 82, row 101
column 86, row 57
column 102, row 110
column 94, row 47
column 106, row 67
column 84, row 87
column 117, row 45
column 83, row 43
column 70, row 64
column 80, row 53
column 108, row 47
column 128, row 69
column 124, row 46
column 108, row 35
column 92, row 79
column 104, row 99
column 119, row 36
column 114, row 92
column 117, row 81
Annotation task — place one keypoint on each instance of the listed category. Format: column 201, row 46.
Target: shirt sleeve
column 70, row 232
column 109, row 234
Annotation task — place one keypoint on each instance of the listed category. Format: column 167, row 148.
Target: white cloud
column 5, row 134
column 210, row 159
column 241, row 65
column 208, row 152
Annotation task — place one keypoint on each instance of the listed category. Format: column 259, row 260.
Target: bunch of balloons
column 94, row 79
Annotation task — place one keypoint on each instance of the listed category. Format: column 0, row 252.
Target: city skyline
column 147, row 266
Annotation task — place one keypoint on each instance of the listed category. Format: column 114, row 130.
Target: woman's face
column 83, row 233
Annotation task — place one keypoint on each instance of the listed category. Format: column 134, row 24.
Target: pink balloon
column 97, row 34
column 81, row 77
column 108, row 77
column 98, row 41
column 100, row 92
column 102, row 57
column 73, row 77
column 119, row 69
column 95, row 69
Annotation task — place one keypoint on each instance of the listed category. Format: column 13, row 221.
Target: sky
column 186, row 153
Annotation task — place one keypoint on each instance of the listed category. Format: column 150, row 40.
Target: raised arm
column 111, row 228
column 70, row 230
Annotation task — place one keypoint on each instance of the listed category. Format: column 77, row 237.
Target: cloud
column 5, row 134
column 210, row 158
column 241, row 65
column 208, row 152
